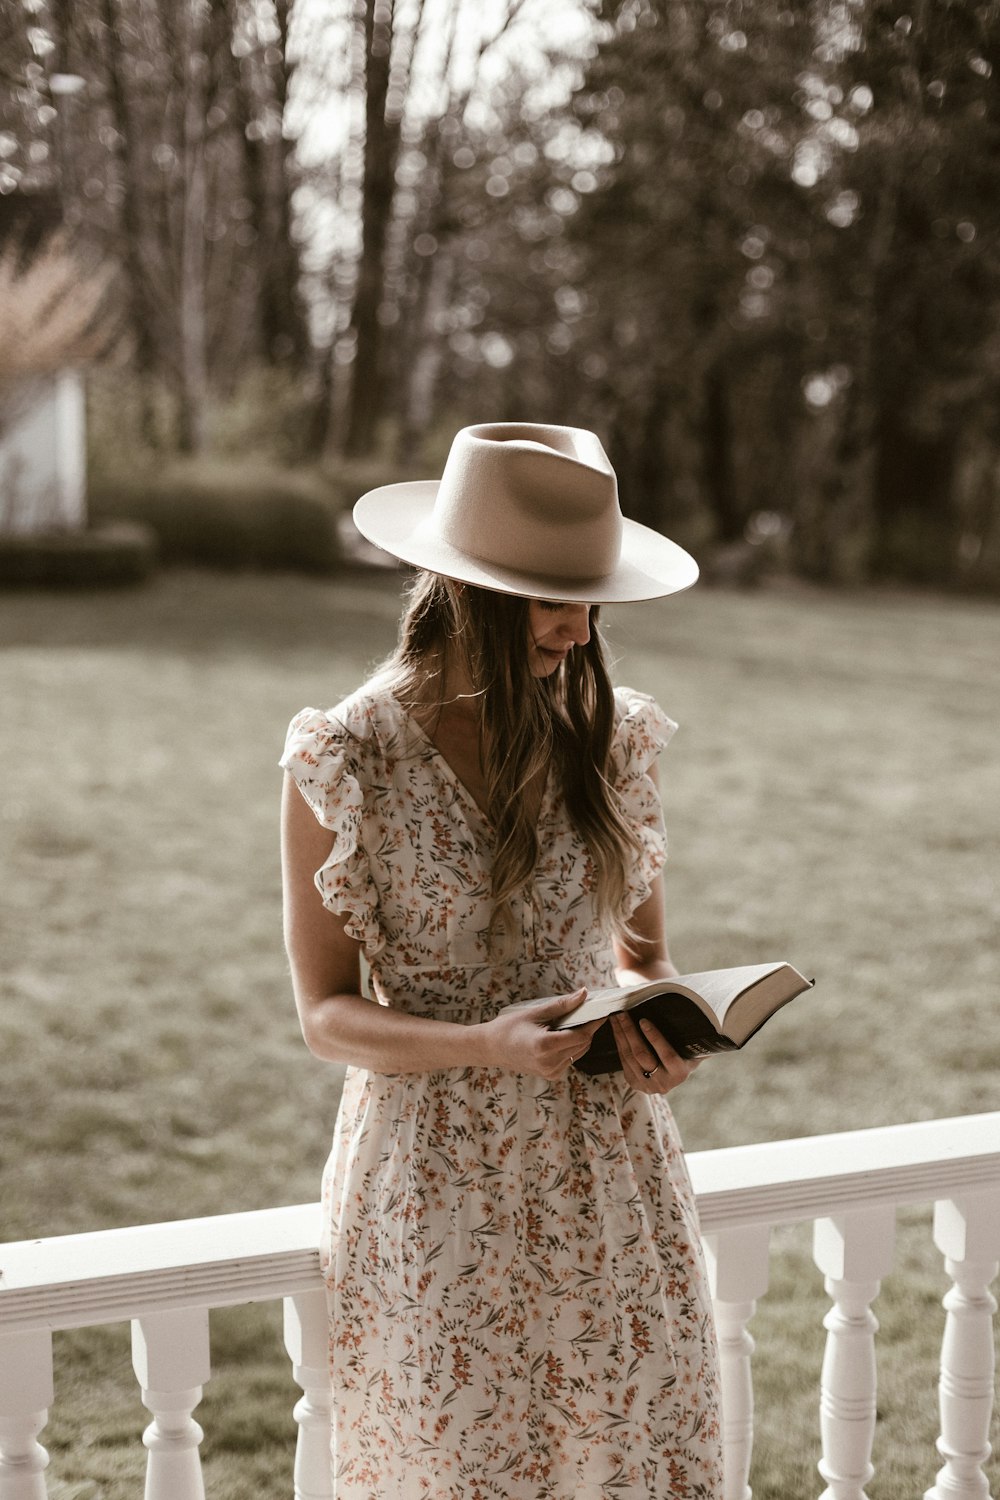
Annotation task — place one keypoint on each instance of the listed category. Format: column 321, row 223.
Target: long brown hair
column 526, row 724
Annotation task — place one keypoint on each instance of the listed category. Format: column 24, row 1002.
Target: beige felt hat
column 526, row 509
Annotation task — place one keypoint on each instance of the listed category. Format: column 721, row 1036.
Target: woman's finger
column 650, row 1062
column 627, row 1052
column 633, row 1046
column 577, row 1040
column 676, row 1068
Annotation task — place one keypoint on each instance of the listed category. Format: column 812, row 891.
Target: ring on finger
column 651, row 1071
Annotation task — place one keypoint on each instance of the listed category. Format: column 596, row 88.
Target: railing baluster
column 170, row 1356
column 307, row 1340
column 25, row 1397
column 854, row 1252
column 737, row 1272
column 967, row 1232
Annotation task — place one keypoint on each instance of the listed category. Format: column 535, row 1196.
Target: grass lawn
column 833, row 797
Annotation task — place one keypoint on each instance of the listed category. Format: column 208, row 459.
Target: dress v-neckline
column 452, row 775
column 446, row 765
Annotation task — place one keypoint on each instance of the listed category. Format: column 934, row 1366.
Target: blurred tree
column 183, row 168
column 780, row 227
column 689, row 238
column 925, row 180
column 403, row 275
column 385, row 53
column 263, row 70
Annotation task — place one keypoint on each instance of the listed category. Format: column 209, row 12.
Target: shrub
column 228, row 516
column 105, row 557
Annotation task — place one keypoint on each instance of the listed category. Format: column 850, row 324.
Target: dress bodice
column 409, row 866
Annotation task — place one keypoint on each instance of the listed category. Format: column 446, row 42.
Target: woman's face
column 553, row 631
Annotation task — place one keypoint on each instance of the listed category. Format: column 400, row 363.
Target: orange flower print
column 555, row 1378
column 461, row 1368
column 640, row 1335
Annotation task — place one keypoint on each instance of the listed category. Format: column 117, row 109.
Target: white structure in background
column 43, row 467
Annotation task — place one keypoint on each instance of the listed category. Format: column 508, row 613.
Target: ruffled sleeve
column 641, row 732
column 328, row 760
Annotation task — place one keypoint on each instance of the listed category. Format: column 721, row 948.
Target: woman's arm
column 643, row 956
column 340, row 1025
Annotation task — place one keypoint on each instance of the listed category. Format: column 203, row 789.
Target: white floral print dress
column 518, row 1303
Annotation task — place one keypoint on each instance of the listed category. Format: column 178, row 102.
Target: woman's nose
column 577, row 624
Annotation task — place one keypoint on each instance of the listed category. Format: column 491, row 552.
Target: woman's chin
column 547, row 662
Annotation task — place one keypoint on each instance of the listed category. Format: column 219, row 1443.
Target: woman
column 518, row 1303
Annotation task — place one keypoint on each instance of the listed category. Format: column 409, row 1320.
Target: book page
column 721, row 988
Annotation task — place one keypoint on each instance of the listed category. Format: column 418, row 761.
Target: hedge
column 228, row 516
column 106, row 557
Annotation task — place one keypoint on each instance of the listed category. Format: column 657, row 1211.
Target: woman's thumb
column 559, row 1005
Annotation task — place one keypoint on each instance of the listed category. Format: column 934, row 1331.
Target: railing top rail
column 112, row 1275
column 116, row 1274
column 823, row 1175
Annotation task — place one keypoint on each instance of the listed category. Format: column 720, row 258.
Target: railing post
column 170, row 1356
column 26, row 1394
column 854, row 1252
column 737, row 1262
column 967, row 1232
column 307, row 1337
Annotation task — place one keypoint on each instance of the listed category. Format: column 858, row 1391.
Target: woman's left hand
column 651, row 1065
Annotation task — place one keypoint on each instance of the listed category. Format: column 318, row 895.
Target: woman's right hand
column 521, row 1042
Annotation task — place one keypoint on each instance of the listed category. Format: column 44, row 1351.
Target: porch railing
column 166, row 1278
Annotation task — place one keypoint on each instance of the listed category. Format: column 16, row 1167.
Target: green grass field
column 833, row 797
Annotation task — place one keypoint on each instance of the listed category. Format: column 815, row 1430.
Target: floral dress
column 518, row 1303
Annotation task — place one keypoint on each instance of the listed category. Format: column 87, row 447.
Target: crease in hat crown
column 541, row 500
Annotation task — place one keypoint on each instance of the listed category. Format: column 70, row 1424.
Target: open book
column 698, row 1013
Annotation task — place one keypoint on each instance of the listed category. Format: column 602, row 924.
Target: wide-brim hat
column 526, row 509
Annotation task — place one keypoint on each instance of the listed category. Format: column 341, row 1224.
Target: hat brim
column 396, row 517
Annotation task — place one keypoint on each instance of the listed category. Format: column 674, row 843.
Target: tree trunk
column 269, row 180
column 649, row 467
column 285, row 311
column 193, row 386
column 427, row 354
column 916, row 528
column 141, row 315
column 255, row 184
column 717, row 457
column 377, row 192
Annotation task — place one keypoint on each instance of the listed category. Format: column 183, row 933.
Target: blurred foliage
column 263, row 414
column 228, row 515
column 755, row 245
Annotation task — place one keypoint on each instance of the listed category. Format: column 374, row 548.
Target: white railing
column 165, row 1279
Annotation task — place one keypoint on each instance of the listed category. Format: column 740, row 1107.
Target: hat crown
column 541, row 500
